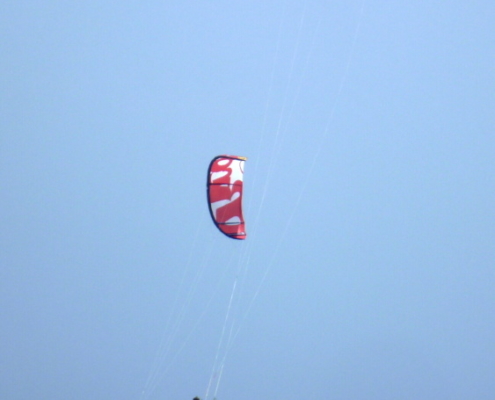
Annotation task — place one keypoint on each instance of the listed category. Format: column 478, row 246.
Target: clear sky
column 369, row 268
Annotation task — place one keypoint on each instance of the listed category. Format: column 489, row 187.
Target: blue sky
column 368, row 271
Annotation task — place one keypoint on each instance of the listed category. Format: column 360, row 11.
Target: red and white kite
column 224, row 189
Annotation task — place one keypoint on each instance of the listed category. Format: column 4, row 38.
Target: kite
column 224, row 192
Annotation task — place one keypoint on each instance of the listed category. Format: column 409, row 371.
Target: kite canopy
column 224, row 189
